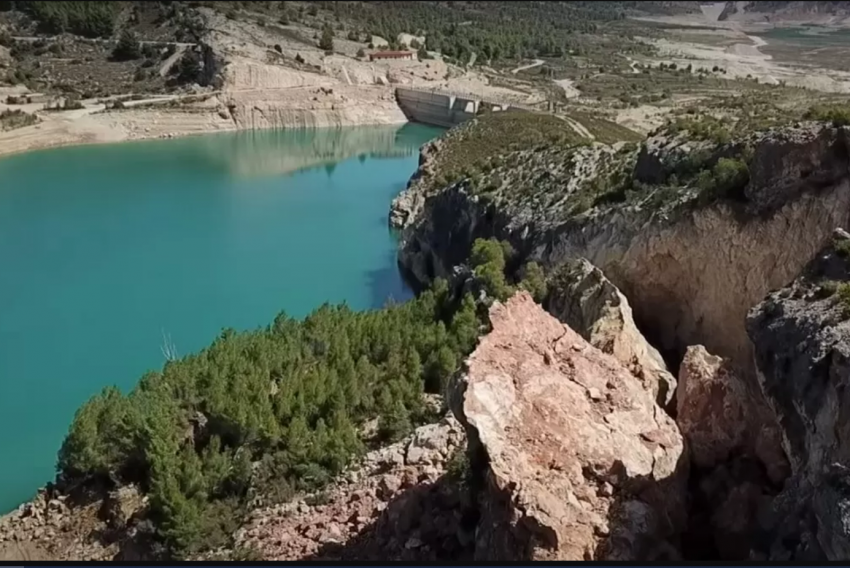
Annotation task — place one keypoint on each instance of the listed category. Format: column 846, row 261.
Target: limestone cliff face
column 801, row 335
column 691, row 272
column 581, row 463
column 308, row 107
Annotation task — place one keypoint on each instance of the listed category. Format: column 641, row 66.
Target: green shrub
column 488, row 260
column 90, row 19
column 842, row 294
column 534, row 281
column 842, row 248
column 189, row 67
column 458, row 467
column 727, row 179
column 11, row 119
column 826, row 289
column 127, row 48
column 326, row 42
column 837, row 115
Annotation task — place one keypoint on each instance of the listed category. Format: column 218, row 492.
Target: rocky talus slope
column 401, row 503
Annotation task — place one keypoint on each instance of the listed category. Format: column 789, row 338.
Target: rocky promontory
column 581, row 463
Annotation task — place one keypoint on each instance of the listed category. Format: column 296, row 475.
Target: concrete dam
column 445, row 109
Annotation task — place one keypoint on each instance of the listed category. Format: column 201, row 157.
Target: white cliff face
column 320, row 106
column 693, row 282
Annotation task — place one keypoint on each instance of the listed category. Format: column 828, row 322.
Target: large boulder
column 584, row 299
column 801, row 335
column 577, row 460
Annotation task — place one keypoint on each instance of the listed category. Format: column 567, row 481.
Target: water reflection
column 260, row 153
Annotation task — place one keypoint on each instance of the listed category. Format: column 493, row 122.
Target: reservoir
column 112, row 256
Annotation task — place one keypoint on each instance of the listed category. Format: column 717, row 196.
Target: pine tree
column 127, row 48
column 326, row 42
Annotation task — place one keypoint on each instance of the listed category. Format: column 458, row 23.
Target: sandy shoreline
column 225, row 112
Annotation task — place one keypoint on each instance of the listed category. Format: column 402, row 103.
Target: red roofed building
column 409, row 55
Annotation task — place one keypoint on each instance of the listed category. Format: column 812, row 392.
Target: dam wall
column 440, row 108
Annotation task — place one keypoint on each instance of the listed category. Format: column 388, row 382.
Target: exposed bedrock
column 581, row 297
column 690, row 272
column 801, row 336
column 577, row 461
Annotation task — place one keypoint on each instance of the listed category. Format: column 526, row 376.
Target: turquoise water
column 108, row 252
column 808, row 36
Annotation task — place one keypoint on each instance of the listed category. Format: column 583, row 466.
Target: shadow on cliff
column 647, row 517
column 715, row 518
column 423, row 522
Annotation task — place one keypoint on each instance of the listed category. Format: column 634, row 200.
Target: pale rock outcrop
column 581, row 297
column 720, row 418
column 580, row 461
column 314, row 107
column 801, row 335
column 378, row 41
column 408, row 39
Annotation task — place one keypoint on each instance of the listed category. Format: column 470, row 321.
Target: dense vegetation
column 267, row 412
column 489, row 260
column 90, row 19
column 472, row 148
column 836, row 114
column 492, row 30
column 11, row 119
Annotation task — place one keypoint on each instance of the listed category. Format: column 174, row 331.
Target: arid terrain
column 252, row 71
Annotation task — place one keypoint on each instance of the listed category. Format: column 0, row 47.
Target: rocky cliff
column 801, row 335
column 691, row 259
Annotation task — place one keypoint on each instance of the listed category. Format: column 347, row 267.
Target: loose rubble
column 398, row 504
